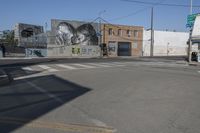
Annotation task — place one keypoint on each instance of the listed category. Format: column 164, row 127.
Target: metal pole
column 100, row 32
column 190, row 37
column 191, row 5
column 190, row 47
column 152, row 34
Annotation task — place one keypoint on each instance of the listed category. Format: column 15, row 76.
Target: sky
column 40, row 12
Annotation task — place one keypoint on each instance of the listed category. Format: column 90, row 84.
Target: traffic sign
column 190, row 20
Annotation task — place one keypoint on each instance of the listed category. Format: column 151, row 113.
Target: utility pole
column 152, row 33
column 100, row 32
column 191, row 5
column 190, row 36
column 46, row 26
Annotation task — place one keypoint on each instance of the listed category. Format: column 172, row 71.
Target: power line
column 131, row 14
column 160, row 4
column 138, row 11
column 114, row 25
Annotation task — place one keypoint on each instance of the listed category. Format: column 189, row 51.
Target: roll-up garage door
column 124, row 49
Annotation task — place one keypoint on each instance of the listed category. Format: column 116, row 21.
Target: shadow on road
column 29, row 99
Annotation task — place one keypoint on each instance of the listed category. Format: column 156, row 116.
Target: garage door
column 124, row 49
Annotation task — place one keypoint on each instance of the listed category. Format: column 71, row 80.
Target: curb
column 4, row 78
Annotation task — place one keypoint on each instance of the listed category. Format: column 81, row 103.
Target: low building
column 77, row 38
column 122, row 40
column 27, row 34
column 166, row 43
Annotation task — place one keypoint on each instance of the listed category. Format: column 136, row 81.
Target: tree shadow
column 29, row 99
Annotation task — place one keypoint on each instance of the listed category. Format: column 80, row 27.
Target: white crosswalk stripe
column 112, row 64
column 27, row 68
column 47, row 68
column 99, row 65
column 84, row 66
column 66, row 66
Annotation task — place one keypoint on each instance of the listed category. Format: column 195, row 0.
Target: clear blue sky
column 41, row 11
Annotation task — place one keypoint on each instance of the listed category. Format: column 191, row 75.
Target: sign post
column 190, row 23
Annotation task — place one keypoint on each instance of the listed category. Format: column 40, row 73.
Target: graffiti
column 35, row 52
column 83, row 51
column 89, row 50
column 111, row 49
column 76, row 50
column 84, row 35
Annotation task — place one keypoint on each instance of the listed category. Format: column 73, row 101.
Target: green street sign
column 190, row 20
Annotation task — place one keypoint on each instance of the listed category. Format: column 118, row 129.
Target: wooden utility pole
column 190, row 37
column 152, row 33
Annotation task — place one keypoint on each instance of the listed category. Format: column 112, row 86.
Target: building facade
column 122, row 40
column 77, row 38
column 166, row 43
column 29, row 35
column 73, row 38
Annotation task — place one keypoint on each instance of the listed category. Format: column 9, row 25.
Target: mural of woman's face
column 84, row 35
column 81, row 39
column 64, row 34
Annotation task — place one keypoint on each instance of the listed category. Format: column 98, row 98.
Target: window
column 128, row 33
column 135, row 33
column 119, row 32
column 135, row 44
column 110, row 31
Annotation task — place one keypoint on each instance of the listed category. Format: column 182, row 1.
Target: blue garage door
column 124, row 49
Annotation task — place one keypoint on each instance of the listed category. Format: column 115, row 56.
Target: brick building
column 122, row 40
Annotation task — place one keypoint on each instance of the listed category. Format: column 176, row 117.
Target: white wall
column 166, row 43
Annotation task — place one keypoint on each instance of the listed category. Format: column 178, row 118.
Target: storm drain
column 77, row 128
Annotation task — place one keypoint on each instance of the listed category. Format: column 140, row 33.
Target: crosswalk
column 71, row 66
column 95, row 65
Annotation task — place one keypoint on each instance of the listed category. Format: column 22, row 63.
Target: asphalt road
column 101, row 97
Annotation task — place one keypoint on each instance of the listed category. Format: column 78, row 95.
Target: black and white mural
column 74, row 33
column 28, row 34
column 73, row 38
